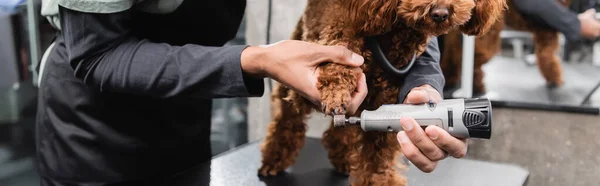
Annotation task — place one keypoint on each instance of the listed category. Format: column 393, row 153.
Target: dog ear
column 372, row 17
column 485, row 14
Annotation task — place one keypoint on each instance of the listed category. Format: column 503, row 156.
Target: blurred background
column 553, row 133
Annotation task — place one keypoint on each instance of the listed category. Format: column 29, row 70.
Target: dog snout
column 440, row 14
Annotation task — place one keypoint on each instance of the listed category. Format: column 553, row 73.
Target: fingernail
column 433, row 134
column 402, row 137
column 357, row 58
column 406, row 124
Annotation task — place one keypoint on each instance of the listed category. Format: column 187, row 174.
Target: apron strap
column 43, row 63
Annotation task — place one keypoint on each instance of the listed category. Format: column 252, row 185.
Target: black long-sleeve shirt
column 552, row 14
column 426, row 70
column 126, row 96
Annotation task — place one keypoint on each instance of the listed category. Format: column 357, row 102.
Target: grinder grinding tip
column 339, row 120
column 342, row 121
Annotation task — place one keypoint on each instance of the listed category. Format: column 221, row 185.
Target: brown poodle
column 546, row 43
column 403, row 27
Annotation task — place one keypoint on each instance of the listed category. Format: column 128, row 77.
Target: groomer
column 126, row 88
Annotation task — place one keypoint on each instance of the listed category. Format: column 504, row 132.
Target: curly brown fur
column 285, row 135
column 451, row 61
column 548, row 62
column 485, row 14
column 546, row 43
column 402, row 28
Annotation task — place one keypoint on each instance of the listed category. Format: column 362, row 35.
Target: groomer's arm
column 426, row 72
column 425, row 82
column 106, row 56
column 556, row 16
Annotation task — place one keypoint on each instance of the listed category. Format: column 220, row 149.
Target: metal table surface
column 239, row 167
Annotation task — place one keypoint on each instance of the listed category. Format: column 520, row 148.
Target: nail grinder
column 461, row 118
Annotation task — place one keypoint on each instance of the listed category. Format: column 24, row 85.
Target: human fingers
column 590, row 12
column 596, row 25
column 340, row 55
column 359, row 95
column 418, row 137
column 414, row 155
column 455, row 147
column 422, row 94
column 416, row 96
column 311, row 91
column 434, row 95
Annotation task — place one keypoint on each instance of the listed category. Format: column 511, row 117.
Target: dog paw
column 269, row 170
column 335, row 103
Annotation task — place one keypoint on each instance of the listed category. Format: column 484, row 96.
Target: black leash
column 385, row 64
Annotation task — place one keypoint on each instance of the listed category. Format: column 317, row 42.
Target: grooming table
column 240, row 167
column 511, row 83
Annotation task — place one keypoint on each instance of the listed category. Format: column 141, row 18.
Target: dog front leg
column 451, row 58
column 285, row 134
column 486, row 47
column 336, row 83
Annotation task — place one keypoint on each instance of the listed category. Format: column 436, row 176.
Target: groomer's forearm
column 105, row 56
column 425, row 71
column 553, row 14
column 162, row 70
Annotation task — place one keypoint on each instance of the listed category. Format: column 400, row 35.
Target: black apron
column 89, row 138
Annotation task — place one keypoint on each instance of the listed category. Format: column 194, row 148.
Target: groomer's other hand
column 590, row 26
column 424, row 148
column 295, row 65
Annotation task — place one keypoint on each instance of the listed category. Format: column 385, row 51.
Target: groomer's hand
column 295, row 65
column 424, row 148
column 590, row 26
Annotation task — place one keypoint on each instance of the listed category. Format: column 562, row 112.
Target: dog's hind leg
column 374, row 160
column 285, row 134
column 546, row 48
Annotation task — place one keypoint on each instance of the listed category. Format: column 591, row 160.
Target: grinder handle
column 387, row 117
